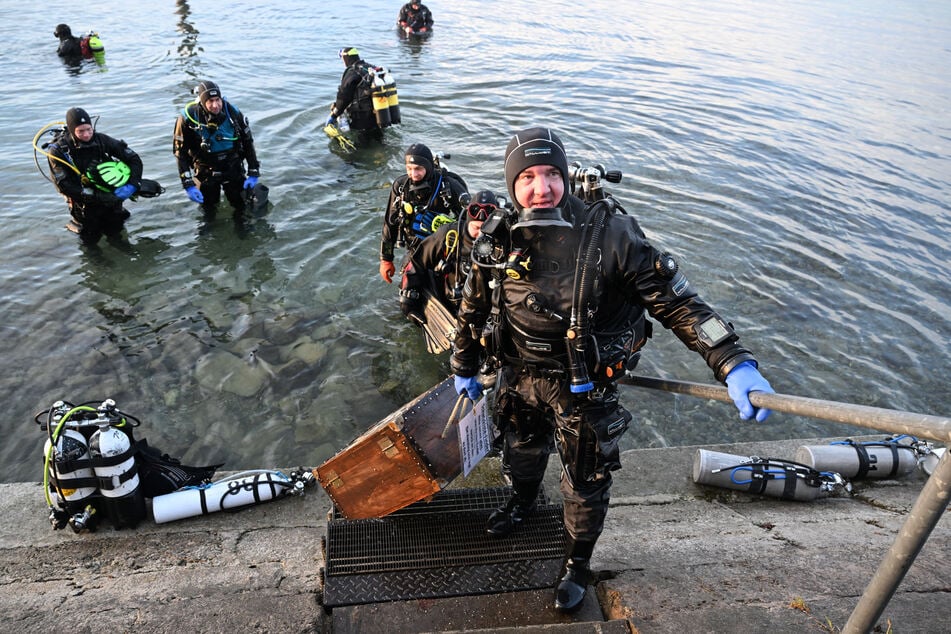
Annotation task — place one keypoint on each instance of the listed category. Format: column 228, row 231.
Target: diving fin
column 334, row 133
column 160, row 474
column 149, row 189
column 440, row 327
column 255, row 198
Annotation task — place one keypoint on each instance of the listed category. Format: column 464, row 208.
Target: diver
column 421, row 200
column 212, row 143
column 433, row 279
column 556, row 298
column 95, row 173
column 74, row 49
column 366, row 98
column 415, row 19
column 442, row 261
column 70, row 48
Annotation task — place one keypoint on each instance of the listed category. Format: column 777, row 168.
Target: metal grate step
column 440, row 549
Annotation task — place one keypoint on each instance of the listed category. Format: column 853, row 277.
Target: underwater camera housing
column 586, row 181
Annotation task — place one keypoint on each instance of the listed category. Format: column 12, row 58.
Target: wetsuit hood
column 76, row 117
column 419, row 154
column 530, row 147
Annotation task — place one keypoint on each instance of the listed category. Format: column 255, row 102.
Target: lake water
column 794, row 156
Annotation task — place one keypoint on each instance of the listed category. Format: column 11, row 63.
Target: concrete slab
column 675, row 557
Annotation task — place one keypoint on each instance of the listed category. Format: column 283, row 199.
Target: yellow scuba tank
column 95, row 44
column 96, row 48
column 392, row 99
column 381, row 104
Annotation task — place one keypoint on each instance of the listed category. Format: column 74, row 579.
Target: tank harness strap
column 894, row 450
column 89, row 463
column 75, row 483
column 758, row 478
column 862, row 454
column 204, row 502
column 791, row 472
column 108, row 483
column 865, row 463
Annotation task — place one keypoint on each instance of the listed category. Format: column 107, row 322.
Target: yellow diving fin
column 334, row 133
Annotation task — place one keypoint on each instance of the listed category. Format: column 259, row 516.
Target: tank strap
column 89, row 463
column 108, row 483
column 75, row 483
column 865, row 463
column 862, row 454
column 765, row 469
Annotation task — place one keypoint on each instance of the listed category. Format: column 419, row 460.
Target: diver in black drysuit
column 94, row 212
column 442, row 261
column 212, row 142
column 70, row 48
column 354, row 93
column 545, row 393
column 414, row 205
column 415, row 18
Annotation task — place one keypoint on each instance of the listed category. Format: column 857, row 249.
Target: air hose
column 579, row 334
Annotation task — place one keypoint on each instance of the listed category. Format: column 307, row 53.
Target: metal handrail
column 924, row 515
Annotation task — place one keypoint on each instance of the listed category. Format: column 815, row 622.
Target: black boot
column 504, row 520
column 573, row 586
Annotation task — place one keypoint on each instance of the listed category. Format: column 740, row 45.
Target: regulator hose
column 585, row 275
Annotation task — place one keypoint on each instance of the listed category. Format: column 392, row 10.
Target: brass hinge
column 388, row 447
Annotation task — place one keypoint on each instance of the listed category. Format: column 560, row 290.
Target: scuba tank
column 96, row 49
column 115, row 467
column 766, row 476
column 93, row 466
column 888, row 458
column 392, row 99
column 69, row 485
column 237, row 491
column 378, row 94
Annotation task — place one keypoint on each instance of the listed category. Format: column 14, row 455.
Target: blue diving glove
column 742, row 380
column 250, row 182
column 125, row 191
column 468, row 385
column 195, row 194
column 331, row 120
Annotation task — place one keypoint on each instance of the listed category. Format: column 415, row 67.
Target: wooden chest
column 400, row 460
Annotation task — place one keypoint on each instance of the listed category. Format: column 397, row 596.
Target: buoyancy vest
column 216, row 137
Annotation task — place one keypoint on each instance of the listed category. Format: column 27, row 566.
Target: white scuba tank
column 242, row 489
column 118, row 483
column 70, row 446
